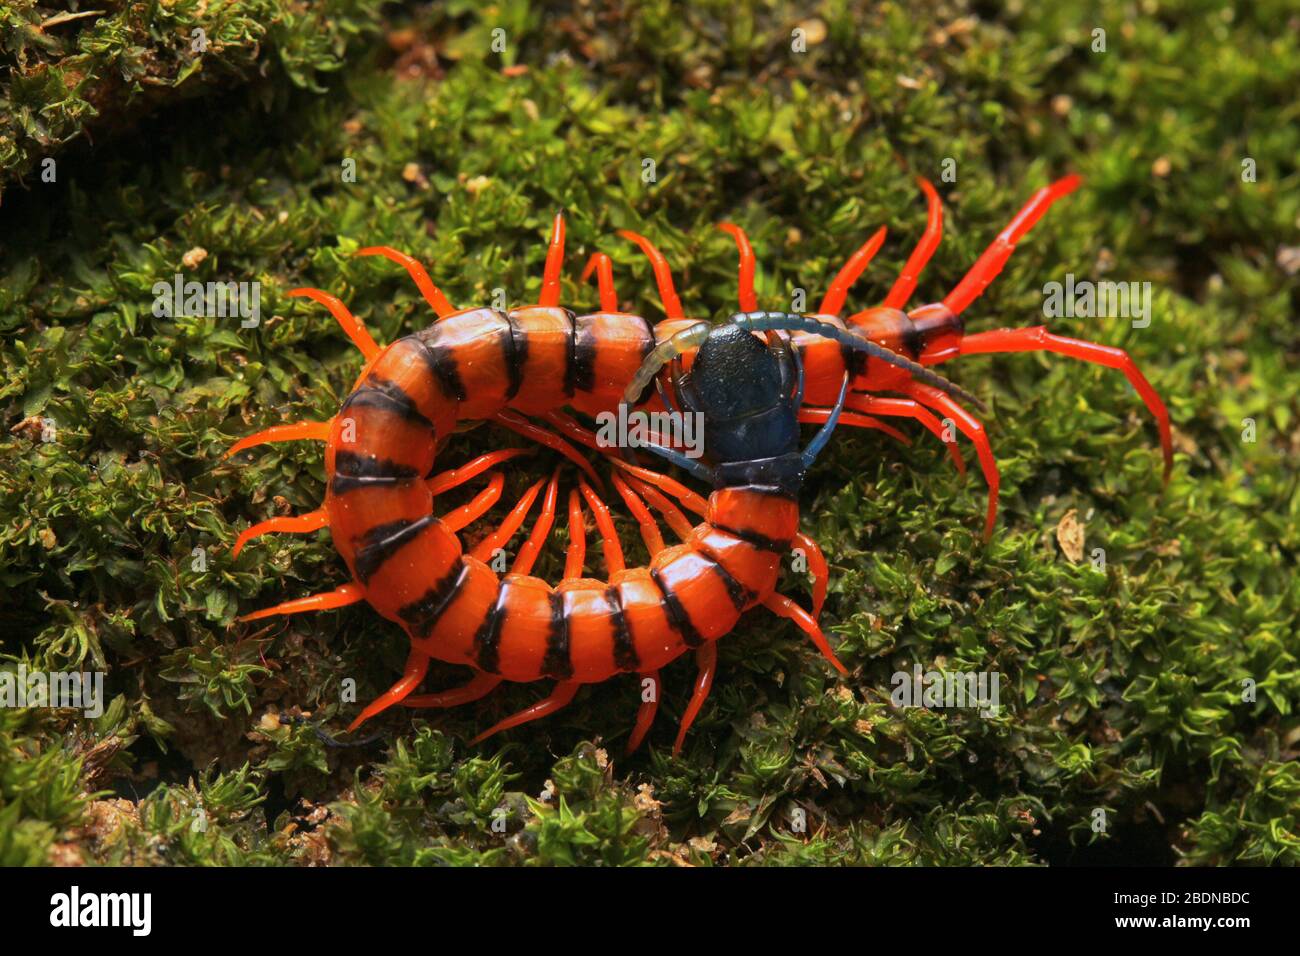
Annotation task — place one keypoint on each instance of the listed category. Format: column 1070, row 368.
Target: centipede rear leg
column 1039, row 339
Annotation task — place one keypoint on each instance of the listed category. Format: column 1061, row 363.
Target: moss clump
column 1147, row 707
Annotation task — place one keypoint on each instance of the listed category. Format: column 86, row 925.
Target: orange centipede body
column 753, row 380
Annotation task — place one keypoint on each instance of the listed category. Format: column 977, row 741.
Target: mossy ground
column 1124, row 685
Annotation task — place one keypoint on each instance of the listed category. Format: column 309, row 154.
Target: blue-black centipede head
column 744, row 388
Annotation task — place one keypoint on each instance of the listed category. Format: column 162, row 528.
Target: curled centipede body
column 752, row 380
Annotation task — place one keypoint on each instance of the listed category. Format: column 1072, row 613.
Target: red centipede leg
column 346, row 320
column 833, row 301
column 706, row 656
column 532, row 547
column 820, row 570
column 300, row 524
column 479, row 686
column 663, row 275
column 432, row 294
column 645, row 714
column 905, row 284
column 576, row 554
column 458, row 476
column 1038, row 339
column 908, row 408
column 506, row 530
column 673, row 487
column 305, row 431
column 576, row 431
column 613, row 549
column 340, row 597
column 654, row 540
column 991, row 261
column 550, row 294
column 814, row 415
column 745, row 282
column 604, row 269
column 517, row 423
column 972, row 428
column 559, row 697
column 476, row 507
column 680, row 524
column 782, row 606
column 417, row 665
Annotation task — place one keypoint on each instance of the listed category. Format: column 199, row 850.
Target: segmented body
column 454, row 607
column 534, row 362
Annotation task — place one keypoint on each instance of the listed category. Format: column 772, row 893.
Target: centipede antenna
column 762, row 321
column 432, row 294
column 663, row 353
column 550, row 295
column 349, row 322
column 325, row 738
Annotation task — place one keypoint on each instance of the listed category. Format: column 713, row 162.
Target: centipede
column 536, row 371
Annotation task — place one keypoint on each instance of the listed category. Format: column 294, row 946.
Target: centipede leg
column 479, row 686
column 838, row 291
column 550, row 294
column 645, row 714
column 654, row 541
column 663, row 274
column 782, row 606
column 745, row 280
column 477, row 507
column 417, row 665
column 817, row 565
column 532, row 547
column 559, row 697
column 517, row 423
column 299, row 524
column 350, row 324
column 706, row 657
column 510, row 524
column 909, row 408
column 1039, row 339
column 613, row 549
column 673, row 516
column 340, row 597
column 298, row 431
column 673, row 487
column 576, row 554
column 458, row 476
column 905, row 284
column 972, row 428
column 576, row 431
column 990, row 263
column 604, row 269
column 810, row 414
column 432, row 294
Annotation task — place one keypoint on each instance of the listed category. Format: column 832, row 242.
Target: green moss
column 1122, row 695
